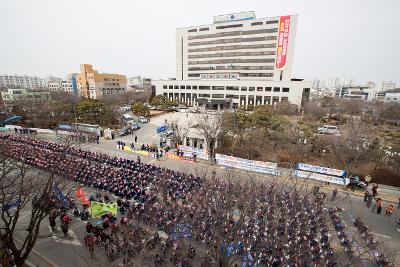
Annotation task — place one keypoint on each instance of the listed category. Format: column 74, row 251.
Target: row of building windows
column 112, row 89
column 232, row 60
column 111, row 84
column 232, row 47
column 237, row 25
column 251, row 99
column 111, row 79
column 261, row 23
column 232, row 67
column 234, row 40
column 229, row 26
column 229, row 88
column 233, row 33
column 234, row 54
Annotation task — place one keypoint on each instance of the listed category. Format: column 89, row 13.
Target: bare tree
column 210, row 126
column 179, row 131
column 351, row 148
column 27, row 190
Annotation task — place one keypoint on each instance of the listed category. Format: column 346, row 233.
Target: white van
column 126, row 118
column 143, row 119
column 328, row 129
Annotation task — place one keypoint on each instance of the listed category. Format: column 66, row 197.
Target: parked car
column 328, row 129
column 126, row 119
column 143, row 119
column 355, row 183
column 129, row 128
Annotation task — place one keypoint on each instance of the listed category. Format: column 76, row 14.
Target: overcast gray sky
column 343, row 38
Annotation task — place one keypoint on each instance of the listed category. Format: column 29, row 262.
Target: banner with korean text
column 283, row 42
column 321, row 177
column 319, row 169
column 248, row 165
column 99, row 209
column 200, row 153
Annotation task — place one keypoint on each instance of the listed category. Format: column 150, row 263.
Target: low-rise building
column 355, row 92
column 393, row 95
column 95, row 85
column 219, row 94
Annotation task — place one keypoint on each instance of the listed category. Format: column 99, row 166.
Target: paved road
column 56, row 250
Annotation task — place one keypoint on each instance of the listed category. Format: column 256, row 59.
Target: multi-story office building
column 237, row 60
column 21, row 81
column 95, row 85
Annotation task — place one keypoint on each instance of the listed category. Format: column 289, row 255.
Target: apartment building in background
column 16, row 94
column 21, row 81
column 54, row 86
column 237, row 60
column 92, row 84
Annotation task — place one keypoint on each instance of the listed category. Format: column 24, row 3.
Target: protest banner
column 319, row 169
column 248, row 165
column 200, row 153
column 321, row 177
column 172, row 155
column 99, row 209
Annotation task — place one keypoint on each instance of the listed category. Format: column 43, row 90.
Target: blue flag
column 12, row 205
column 61, row 196
column 181, row 231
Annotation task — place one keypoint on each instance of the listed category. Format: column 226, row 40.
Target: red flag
column 79, row 193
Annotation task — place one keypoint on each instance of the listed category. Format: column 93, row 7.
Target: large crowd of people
column 255, row 224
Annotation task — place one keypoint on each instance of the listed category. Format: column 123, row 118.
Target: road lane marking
column 385, row 236
column 72, row 241
column 27, row 213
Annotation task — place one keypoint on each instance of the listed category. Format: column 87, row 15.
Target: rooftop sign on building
column 235, row 17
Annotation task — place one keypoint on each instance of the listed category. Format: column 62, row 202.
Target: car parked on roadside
column 143, row 119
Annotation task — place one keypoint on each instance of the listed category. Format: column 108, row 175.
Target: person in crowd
column 334, row 194
column 366, row 195
column 374, row 190
column 398, row 206
column 52, row 219
column 389, row 211
column 378, row 206
column 66, row 220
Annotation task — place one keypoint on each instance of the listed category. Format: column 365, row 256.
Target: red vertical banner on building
column 283, row 40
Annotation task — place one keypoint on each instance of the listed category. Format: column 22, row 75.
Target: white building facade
column 21, row 81
column 54, row 86
column 236, row 59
